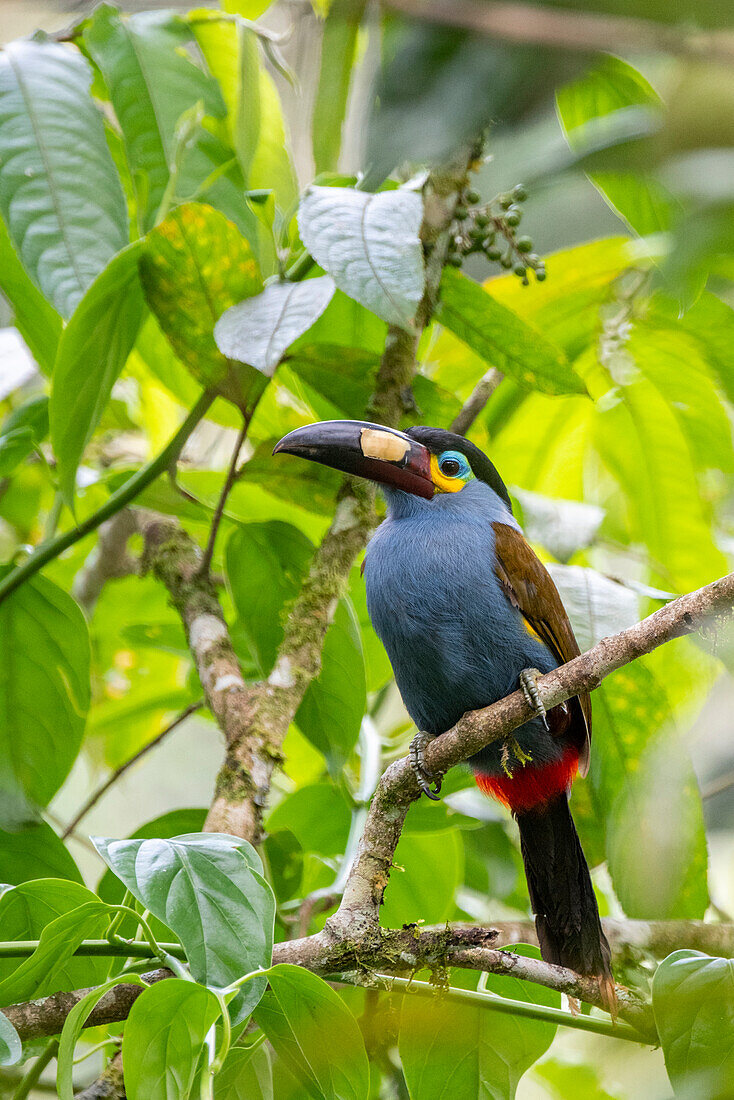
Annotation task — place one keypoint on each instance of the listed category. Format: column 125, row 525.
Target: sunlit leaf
column 65, row 224
column 369, row 244
column 37, row 321
column 317, row 815
column 194, row 266
column 338, row 51
column 426, row 872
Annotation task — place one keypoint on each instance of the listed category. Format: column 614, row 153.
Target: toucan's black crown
column 438, row 440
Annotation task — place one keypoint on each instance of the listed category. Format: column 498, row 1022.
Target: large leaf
column 597, row 606
column 73, row 1027
column 35, row 852
column 693, row 1002
column 164, row 1038
column 210, row 890
column 44, row 689
column 93, row 350
column 333, row 706
column 259, row 330
column 449, row 1048
column 245, row 1075
column 146, row 60
column 28, row 909
column 317, row 815
column 369, row 244
column 194, row 266
column 338, row 51
column 37, row 321
column 265, row 564
column 501, row 338
column 60, row 196
column 315, row 1034
column 593, row 105
column 561, row 526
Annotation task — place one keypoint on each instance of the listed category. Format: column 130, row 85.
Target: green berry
column 461, row 212
column 519, row 193
column 455, row 259
column 524, row 244
column 506, row 261
column 494, row 253
column 490, row 238
column 519, row 269
column 482, row 219
column 540, row 274
column 472, row 196
column 505, row 201
column 512, row 217
column 476, row 233
column 525, row 281
column 533, row 259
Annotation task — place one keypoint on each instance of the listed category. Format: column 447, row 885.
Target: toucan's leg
column 529, row 686
column 418, row 764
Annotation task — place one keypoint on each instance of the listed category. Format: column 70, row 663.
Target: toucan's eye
column 454, row 464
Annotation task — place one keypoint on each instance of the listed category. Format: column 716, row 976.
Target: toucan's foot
column 529, row 686
column 418, row 764
column 512, row 745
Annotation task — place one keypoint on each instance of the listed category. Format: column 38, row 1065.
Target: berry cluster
column 491, row 228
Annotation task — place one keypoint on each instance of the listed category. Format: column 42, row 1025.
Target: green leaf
column 501, row 338
column 65, row 223
column 11, row 1048
column 194, row 266
column 415, row 895
column 317, row 815
column 245, row 1075
column 315, row 1034
column 174, row 823
column 452, row 1049
column 597, row 606
column 73, row 1027
column 35, row 852
column 44, row 689
column 656, row 838
column 265, row 564
column 15, row 447
column 259, row 330
column 128, row 50
column 332, row 708
column 32, row 414
column 37, row 321
column 693, row 1002
column 562, row 526
column 589, row 109
column 369, row 244
column 210, row 890
column 164, row 1038
column 26, row 910
column 42, row 972
column 93, row 350
column 338, row 52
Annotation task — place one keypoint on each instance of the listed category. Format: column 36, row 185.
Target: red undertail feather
column 531, row 786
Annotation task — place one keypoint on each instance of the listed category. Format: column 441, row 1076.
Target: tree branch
column 476, row 401
column 109, row 560
column 569, row 29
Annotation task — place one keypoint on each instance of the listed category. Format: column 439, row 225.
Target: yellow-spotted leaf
column 194, row 266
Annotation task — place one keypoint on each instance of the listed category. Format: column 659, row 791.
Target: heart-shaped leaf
column 259, row 330
column 210, row 890
column 369, row 244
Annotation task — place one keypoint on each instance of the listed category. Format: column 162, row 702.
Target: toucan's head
column 422, row 461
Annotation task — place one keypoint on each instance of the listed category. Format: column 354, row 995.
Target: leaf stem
column 206, row 561
column 23, row 949
column 47, row 551
column 505, row 1005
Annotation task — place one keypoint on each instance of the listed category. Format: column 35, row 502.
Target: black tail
column 561, row 894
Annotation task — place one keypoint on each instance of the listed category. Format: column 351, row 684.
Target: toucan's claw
column 529, row 686
column 418, row 764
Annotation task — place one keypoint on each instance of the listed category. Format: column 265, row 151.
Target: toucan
column 467, row 611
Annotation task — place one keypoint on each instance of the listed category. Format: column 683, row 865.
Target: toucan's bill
column 380, row 454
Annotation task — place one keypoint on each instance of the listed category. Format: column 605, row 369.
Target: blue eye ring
column 454, row 464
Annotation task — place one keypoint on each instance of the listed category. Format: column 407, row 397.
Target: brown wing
column 531, row 590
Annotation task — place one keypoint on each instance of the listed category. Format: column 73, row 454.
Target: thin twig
column 476, row 401
column 112, row 779
column 206, row 560
column 719, row 785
